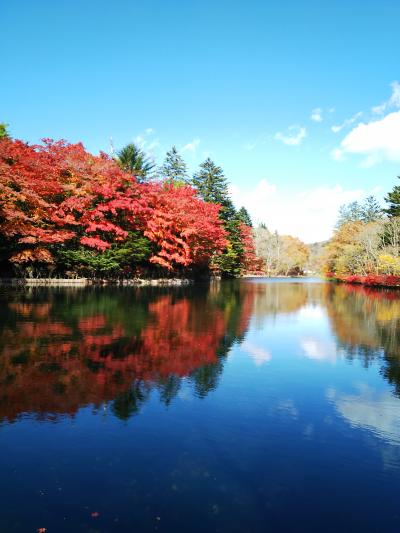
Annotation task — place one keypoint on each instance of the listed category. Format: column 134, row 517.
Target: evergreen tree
column 132, row 159
column 212, row 187
column 349, row 213
column 368, row 211
column 371, row 210
column 244, row 216
column 174, row 168
column 3, row 131
column 393, row 199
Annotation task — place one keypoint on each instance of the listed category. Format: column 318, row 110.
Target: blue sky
column 236, row 80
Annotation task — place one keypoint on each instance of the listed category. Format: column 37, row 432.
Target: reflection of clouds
column 312, row 311
column 288, row 407
column 318, row 349
column 257, row 353
column 379, row 413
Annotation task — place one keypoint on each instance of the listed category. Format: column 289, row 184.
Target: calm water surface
column 251, row 406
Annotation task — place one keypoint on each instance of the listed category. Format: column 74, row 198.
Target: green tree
column 349, row 213
column 371, row 210
column 132, row 159
column 134, row 251
column 393, row 199
column 212, row 187
column 367, row 211
column 174, row 168
column 3, row 131
column 244, row 216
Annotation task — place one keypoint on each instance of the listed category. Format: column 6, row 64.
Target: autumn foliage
column 59, row 352
column 56, row 197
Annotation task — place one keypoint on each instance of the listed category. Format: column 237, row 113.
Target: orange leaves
column 40, row 255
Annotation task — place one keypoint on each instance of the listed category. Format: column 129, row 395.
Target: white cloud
column 378, row 140
column 259, row 354
column 191, row 146
column 316, row 114
column 146, row 141
column 309, row 215
column 249, row 146
column 379, row 413
column 392, row 103
column 346, row 123
column 293, row 137
column 319, row 349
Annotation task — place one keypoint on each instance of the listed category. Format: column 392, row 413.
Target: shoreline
column 137, row 282
column 85, row 282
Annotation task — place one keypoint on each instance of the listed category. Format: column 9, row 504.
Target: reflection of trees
column 367, row 324
column 63, row 349
column 276, row 298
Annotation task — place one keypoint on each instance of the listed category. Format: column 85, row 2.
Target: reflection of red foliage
column 48, row 365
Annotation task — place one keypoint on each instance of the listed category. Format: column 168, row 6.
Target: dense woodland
column 65, row 212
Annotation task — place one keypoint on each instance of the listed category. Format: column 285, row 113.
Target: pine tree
column 371, row 210
column 174, row 168
column 3, row 131
column 393, row 199
column 132, row 159
column 244, row 216
column 212, row 187
column 368, row 211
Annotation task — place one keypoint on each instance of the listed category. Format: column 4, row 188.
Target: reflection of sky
column 368, row 409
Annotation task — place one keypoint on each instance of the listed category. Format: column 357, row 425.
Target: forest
column 67, row 213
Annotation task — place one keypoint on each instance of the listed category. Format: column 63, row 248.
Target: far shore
column 62, row 282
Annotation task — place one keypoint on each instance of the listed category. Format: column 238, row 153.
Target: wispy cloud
column 249, row 146
column 392, row 103
column 346, row 123
column 294, row 136
column 146, row 140
column 316, row 114
column 191, row 146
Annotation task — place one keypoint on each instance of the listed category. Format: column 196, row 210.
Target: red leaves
column 58, row 193
column 95, row 242
column 186, row 229
column 372, row 280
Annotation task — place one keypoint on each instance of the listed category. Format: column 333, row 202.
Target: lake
column 245, row 406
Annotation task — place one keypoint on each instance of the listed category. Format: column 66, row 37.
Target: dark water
column 248, row 406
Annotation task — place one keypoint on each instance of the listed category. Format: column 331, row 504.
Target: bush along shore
column 372, row 280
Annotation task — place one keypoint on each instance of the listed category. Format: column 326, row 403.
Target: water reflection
column 63, row 349
column 67, row 348
column 367, row 409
